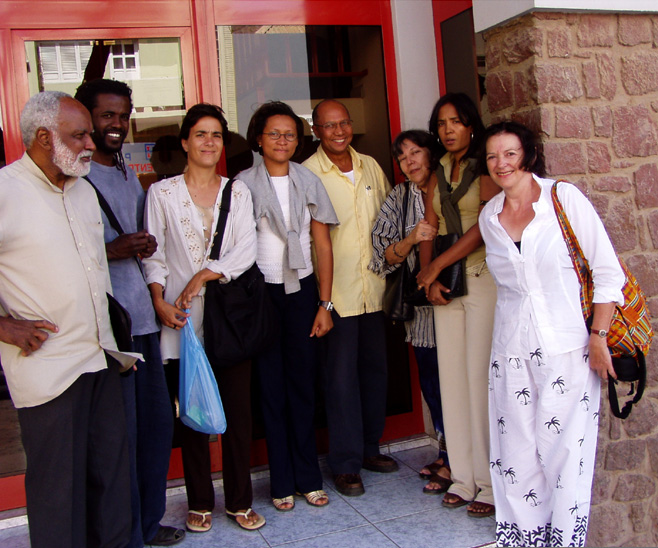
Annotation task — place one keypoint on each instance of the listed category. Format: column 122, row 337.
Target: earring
column 471, row 135
column 260, row 150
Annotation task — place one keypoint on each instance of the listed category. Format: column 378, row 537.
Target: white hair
column 41, row 110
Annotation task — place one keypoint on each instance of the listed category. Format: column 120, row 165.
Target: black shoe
column 349, row 485
column 380, row 463
column 166, row 536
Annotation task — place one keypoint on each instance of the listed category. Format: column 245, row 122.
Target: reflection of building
column 587, row 80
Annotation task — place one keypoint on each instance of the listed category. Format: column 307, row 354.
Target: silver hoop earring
column 471, row 136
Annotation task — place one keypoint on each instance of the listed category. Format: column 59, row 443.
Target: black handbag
column 239, row 319
column 452, row 277
column 632, row 369
column 121, row 324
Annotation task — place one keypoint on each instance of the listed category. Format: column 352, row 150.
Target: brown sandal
column 433, row 467
column 486, row 509
column 443, row 483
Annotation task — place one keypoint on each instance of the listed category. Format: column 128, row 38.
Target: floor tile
column 360, row 537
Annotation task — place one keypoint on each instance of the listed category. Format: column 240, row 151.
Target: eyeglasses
column 331, row 126
column 276, row 135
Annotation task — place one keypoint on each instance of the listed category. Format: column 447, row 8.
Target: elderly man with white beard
column 58, row 351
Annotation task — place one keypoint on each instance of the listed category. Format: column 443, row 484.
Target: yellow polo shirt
column 356, row 290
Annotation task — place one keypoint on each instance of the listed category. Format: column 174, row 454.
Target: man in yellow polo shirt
column 354, row 375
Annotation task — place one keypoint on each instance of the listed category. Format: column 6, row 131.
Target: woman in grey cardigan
column 292, row 209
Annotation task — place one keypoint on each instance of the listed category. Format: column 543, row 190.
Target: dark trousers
column 77, row 479
column 234, row 385
column 428, row 376
column 150, row 428
column 354, row 378
column 287, row 372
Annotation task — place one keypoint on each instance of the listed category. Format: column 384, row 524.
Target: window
column 64, row 61
column 124, row 61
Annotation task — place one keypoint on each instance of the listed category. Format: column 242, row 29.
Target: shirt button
column 89, row 268
column 79, row 244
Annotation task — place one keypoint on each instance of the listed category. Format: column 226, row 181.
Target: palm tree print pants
column 543, row 413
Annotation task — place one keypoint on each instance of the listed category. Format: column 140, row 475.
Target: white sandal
column 314, row 497
column 207, row 518
column 249, row 526
column 278, row 503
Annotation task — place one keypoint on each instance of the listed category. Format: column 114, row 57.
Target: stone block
column 639, row 72
column 564, row 158
column 522, row 90
column 625, row 455
column 644, row 268
column 591, row 80
column 492, row 55
column 633, row 487
column 607, row 76
column 522, row 44
column 621, row 226
column 654, row 106
column 634, row 29
column 613, row 183
column 558, row 42
column 500, row 90
column 557, row 83
column 601, row 204
column 633, row 132
column 602, row 119
column 548, row 15
column 608, row 525
column 652, row 446
column 601, row 487
column 654, row 31
column 638, row 515
column 652, row 223
column 646, row 539
column 646, row 181
column 573, row 122
column 598, row 157
column 596, row 30
column 643, row 418
column 537, row 119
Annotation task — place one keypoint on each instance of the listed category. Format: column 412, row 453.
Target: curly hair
column 263, row 114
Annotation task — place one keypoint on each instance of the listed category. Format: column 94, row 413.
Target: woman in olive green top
column 463, row 325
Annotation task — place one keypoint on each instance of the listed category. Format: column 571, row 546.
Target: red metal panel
column 72, row 14
column 12, row 492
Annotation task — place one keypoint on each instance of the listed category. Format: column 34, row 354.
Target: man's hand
column 28, row 335
column 131, row 245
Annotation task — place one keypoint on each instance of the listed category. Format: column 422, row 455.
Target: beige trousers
column 463, row 343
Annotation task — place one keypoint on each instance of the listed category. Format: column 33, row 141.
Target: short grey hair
column 41, row 110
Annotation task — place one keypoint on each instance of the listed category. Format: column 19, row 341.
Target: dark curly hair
column 89, row 91
column 263, row 114
column 468, row 115
column 419, row 138
column 533, row 150
column 204, row 110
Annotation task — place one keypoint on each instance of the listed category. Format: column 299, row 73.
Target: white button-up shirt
column 538, row 285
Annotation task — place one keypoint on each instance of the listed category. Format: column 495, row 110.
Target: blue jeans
column 150, row 429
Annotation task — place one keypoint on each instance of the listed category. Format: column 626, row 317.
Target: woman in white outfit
column 545, row 366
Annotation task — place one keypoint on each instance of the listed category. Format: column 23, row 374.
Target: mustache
column 85, row 154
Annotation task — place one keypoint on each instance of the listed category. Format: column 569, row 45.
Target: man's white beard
column 66, row 160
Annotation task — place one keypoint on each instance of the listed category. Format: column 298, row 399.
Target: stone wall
column 589, row 84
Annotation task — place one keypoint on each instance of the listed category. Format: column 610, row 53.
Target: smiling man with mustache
column 58, row 352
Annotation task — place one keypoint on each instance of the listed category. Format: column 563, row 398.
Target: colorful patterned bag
column 630, row 332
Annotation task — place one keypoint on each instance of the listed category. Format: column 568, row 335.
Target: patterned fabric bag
column 630, row 334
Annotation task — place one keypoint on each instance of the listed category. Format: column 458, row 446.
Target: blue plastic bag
column 200, row 405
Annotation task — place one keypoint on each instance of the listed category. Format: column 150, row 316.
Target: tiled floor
column 394, row 512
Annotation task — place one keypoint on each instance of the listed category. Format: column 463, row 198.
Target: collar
column 326, row 164
column 33, row 169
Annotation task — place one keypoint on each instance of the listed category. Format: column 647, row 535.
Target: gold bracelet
column 396, row 252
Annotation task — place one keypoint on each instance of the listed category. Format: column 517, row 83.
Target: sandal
column 485, row 511
column 457, row 503
column 316, row 498
column 245, row 514
column 443, row 483
column 433, row 468
column 166, row 536
column 279, row 503
column 206, row 518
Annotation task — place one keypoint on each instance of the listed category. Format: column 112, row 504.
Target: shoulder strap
column 580, row 264
column 405, row 205
column 114, row 222
column 224, row 208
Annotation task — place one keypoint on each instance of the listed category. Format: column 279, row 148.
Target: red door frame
column 443, row 10
column 194, row 22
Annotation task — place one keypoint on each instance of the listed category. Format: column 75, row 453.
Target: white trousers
column 544, row 414
column 463, row 343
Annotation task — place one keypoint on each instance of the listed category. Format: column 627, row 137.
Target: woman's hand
column 600, row 360
column 435, row 294
column 322, row 324
column 428, row 275
column 194, row 286
column 422, row 232
column 169, row 315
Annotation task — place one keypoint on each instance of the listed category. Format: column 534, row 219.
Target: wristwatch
column 328, row 305
column 600, row 332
